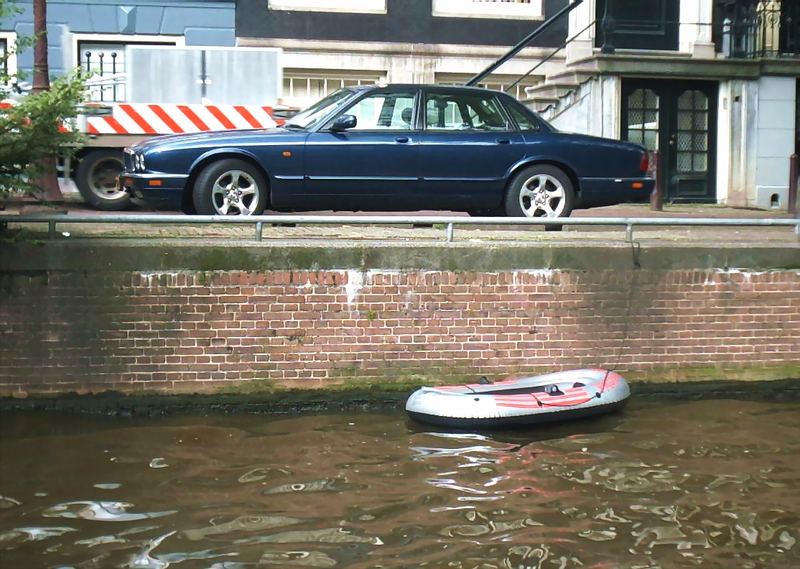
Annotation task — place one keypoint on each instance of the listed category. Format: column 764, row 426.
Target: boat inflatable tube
column 534, row 400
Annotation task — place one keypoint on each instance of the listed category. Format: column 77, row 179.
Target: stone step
column 548, row 95
column 551, row 89
column 539, row 104
column 571, row 75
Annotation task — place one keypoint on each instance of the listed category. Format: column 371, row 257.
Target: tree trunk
column 48, row 180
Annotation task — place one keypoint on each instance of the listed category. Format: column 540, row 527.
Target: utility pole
column 48, row 181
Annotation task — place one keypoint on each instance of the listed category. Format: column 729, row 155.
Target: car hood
column 216, row 139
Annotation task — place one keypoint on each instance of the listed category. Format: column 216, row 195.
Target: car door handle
column 402, row 139
column 503, row 141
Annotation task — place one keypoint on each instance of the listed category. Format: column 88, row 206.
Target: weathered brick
column 171, row 329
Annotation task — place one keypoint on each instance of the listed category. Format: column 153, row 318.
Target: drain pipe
column 524, row 42
column 794, row 172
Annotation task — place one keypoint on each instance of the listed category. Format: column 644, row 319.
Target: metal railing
column 754, row 29
column 524, row 42
column 449, row 223
column 103, row 62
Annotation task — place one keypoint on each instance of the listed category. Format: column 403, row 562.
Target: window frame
column 368, row 7
column 126, row 39
column 495, row 82
column 10, row 39
column 123, row 40
column 296, row 74
column 511, row 126
column 368, row 92
column 530, row 11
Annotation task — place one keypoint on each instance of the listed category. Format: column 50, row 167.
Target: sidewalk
column 725, row 236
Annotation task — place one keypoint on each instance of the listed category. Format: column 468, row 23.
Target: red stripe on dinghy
column 571, row 397
column 577, row 392
column 545, row 398
column 535, row 405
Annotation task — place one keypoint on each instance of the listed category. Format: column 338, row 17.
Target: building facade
column 92, row 34
column 712, row 84
column 332, row 43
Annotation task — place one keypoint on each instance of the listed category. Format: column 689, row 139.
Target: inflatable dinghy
column 526, row 401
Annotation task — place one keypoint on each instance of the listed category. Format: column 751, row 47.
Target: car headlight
column 138, row 162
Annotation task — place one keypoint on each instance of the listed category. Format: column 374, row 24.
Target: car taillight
column 644, row 163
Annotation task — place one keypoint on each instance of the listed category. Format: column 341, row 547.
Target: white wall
column 595, row 109
column 775, row 139
column 694, row 32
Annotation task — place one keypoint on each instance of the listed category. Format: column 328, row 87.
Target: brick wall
column 203, row 331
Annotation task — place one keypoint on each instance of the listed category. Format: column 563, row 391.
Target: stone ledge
column 99, row 255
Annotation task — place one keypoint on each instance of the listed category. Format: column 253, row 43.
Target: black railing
column 101, row 62
column 524, row 42
column 754, row 29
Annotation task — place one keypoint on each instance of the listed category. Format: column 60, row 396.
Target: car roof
column 401, row 86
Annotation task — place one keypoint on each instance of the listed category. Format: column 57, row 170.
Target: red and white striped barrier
column 142, row 118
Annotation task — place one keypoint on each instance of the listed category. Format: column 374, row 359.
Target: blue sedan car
column 392, row 148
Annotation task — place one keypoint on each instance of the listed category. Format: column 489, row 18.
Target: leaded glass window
column 692, row 132
column 643, row 118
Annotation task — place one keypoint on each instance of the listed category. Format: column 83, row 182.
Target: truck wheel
column 96, row 178
column 540, row 191
column 230, row 187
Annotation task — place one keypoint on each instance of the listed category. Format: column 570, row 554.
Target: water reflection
column 672, row 486
column 244, row 524
column 100, row 511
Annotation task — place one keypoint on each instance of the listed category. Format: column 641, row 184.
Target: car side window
column 384, row 111
column 447, row 111
column 524, row 122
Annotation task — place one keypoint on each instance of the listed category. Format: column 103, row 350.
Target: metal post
column 449, row 232
column 629, row 233
column 657, row 195
column 114, row 75
column 259, row 227
column 51, row 229
column 794, row 172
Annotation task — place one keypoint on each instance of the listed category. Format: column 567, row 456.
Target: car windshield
column 320, row 109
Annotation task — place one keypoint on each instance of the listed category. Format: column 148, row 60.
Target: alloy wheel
column 542, row 195
column 235, row 192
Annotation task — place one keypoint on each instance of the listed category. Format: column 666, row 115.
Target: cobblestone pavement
column 739, row 236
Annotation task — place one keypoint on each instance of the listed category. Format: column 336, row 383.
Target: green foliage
column 34, row 127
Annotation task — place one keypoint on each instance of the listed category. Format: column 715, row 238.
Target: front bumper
column 162, row 191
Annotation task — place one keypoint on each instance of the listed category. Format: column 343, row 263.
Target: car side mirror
column 344, row 122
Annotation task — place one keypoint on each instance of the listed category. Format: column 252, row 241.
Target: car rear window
column 523, row 121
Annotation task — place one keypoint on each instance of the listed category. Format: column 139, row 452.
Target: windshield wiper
column 295, row 126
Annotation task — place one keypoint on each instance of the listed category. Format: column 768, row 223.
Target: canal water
column 669, row 484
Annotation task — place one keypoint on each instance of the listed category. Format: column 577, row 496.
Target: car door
column 373, row 165
column 468, row 146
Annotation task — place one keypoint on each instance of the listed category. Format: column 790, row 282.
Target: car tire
column 541, row 190
column 230, row 187
column 96, row 178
